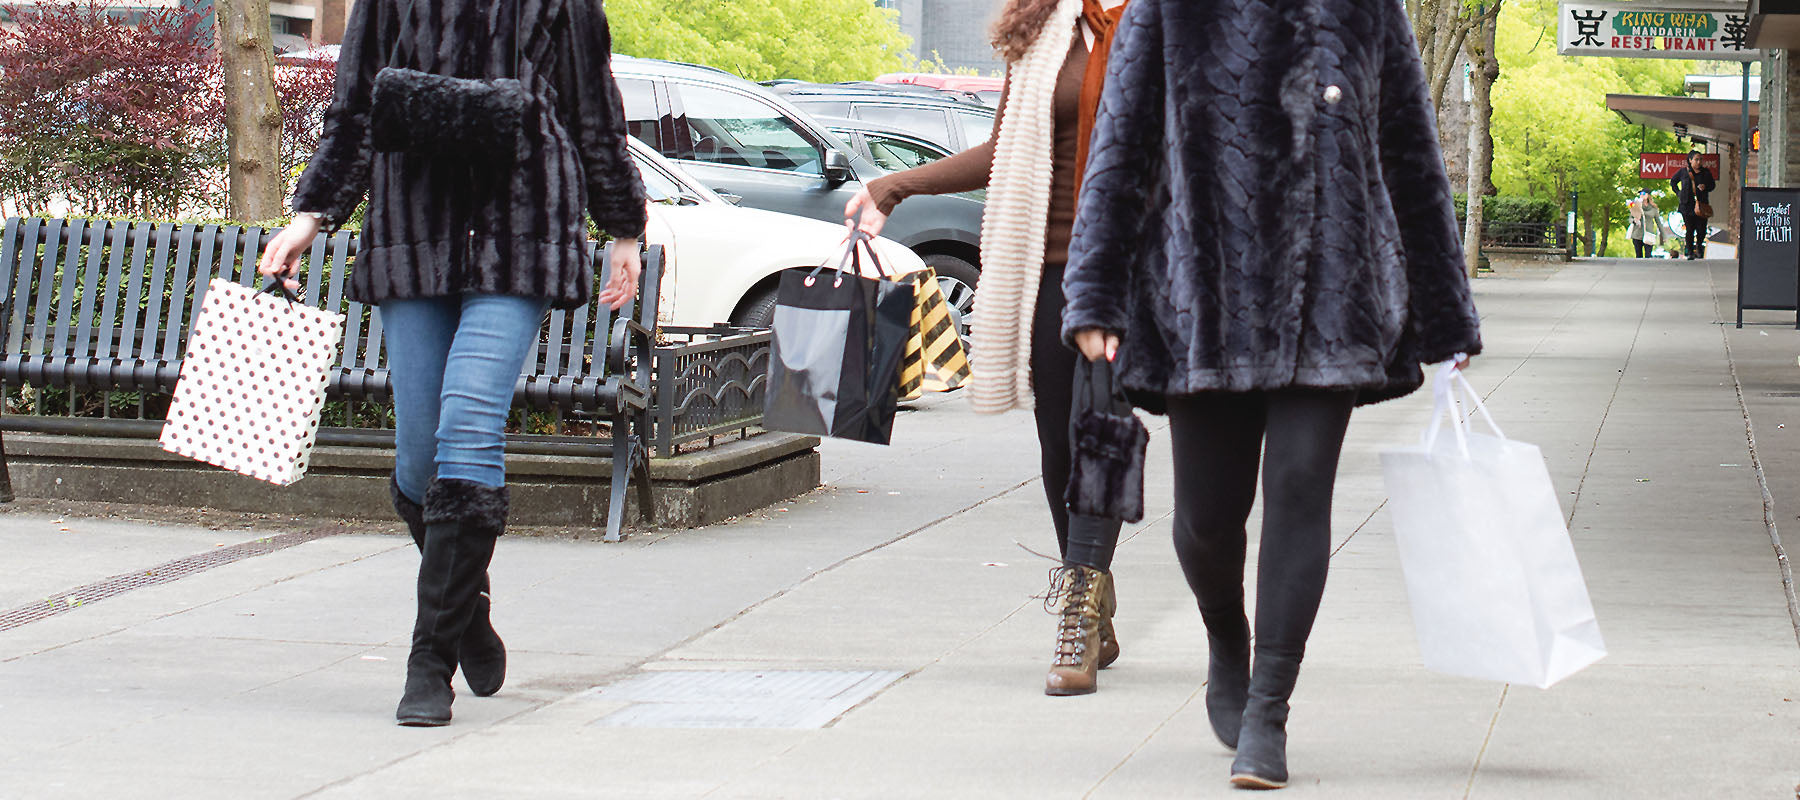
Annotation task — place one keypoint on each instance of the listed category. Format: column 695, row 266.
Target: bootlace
column 1080, row 612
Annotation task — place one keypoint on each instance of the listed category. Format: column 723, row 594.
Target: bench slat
column 96, row 264
column 154, row 305
column 45, row 291
column 109, row 309
column 65, row 290
column 18, row 278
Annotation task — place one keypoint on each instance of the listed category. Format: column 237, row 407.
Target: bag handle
column 1449, row 378
column 851, row 258
column 1103, row 384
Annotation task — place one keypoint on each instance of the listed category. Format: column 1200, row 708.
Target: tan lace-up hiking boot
column 1109, row 638
column 1084, row 592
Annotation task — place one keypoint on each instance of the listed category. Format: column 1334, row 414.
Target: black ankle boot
column 1262, row 743
column 462, row 519
column 1227, row 687
column 481, row 652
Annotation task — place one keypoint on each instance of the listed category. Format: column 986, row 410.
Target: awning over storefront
column 1714, row 120
column 1774, row 24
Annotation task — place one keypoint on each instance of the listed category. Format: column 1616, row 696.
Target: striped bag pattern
column 935, row 360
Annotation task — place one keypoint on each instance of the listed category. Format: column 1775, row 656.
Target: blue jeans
column 454, row 362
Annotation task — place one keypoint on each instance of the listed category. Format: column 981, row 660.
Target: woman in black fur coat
column 1300, row 256
column 464, row 254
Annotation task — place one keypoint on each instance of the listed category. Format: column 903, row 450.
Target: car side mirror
column 734, row 199
column 837, row 167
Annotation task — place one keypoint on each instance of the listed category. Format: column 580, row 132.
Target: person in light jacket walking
column 1643, row 220
column 1266, row 240
column 464, row 257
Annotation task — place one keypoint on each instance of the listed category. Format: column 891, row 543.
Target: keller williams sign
column 1663, row 166
column 1642, row 30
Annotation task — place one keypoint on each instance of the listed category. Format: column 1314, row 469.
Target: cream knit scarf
column 1012, row 229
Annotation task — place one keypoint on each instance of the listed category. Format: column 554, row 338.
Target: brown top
column 970, row 169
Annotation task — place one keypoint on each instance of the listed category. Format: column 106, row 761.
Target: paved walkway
column 275, row 675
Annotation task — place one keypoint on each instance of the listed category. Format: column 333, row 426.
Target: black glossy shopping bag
column 839, row 339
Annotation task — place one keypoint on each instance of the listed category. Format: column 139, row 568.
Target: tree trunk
column 252, row 114
column 1441, row 27
column 1605, row 227
column 1486, row 66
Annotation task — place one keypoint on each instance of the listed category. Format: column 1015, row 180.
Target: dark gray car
column 950, row 119
column 744, row 142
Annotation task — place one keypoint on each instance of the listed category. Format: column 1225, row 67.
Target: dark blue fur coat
column 1265, row 205
column 441, row 226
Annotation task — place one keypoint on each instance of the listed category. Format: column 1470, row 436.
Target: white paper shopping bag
column 1490, row 570
column 253, row 383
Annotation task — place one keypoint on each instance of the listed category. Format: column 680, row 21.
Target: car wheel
column 957, row 278
column 758, row 311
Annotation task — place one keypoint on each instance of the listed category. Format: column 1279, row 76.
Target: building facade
column 954, row 32
column 295, row 24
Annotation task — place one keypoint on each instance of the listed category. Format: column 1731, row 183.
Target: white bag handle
column 1443, row 389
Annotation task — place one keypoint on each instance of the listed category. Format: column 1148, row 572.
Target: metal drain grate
column 162, row 573
column 794, row 699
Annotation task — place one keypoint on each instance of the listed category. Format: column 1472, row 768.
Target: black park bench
column 106, row 305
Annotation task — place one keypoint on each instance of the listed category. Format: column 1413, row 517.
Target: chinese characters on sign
column 1632, row 30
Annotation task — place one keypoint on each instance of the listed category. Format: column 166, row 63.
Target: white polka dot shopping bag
column 253, row 383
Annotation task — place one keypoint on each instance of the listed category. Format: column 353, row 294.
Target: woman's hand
column 872, row 218
column 1462, row 361
column 282, row 257
column 1097, row 344
column 627, row 265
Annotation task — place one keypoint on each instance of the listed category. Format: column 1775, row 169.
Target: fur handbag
column 454, row 118
column 1109, row 446
column 481, row 120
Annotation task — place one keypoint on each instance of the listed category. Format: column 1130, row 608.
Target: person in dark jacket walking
column 1266, row 239
column 1692, row 184
column 464, row 257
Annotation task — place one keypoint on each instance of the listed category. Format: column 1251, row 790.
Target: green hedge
column 1509, row 208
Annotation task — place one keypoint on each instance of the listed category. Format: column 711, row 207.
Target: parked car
column 891, row 148
column 956, row 121
column 742, row 140
column 985, row 88
column 722, row 262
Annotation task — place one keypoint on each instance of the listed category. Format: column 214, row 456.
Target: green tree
column 1553, row 133
column 811, row 40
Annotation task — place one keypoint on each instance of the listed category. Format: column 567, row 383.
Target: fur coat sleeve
column 337, row 177
column 590, row 107
column 1265, row 205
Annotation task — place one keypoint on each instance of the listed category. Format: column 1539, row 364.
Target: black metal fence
column 1549, row 236
column 709, row 382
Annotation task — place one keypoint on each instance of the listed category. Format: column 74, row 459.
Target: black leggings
column 1641, row 248
column 1218, row 440
column 1696, row 234
column 1082, row 540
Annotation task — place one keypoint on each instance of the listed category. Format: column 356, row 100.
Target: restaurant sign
column 1638, row 30
column 1663, row 166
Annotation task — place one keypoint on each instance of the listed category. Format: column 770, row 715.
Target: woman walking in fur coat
column 464, row 257
column 1055, row 52
column 1266, row 240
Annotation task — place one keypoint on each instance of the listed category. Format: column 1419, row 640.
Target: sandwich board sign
column 1645, row 30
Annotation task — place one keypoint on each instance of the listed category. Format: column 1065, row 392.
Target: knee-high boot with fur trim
column 482, row 653
column 462, row 520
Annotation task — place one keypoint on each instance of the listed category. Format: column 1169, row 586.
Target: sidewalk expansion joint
column 1782, row 563
column 167, row 572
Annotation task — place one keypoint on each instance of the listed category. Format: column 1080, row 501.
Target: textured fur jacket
column 1265, row 206
column 439, row 226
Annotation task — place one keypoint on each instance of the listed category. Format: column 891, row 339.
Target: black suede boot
column 462, row 520
column 1262, row 745
column 482, row 653
column 1227, row 683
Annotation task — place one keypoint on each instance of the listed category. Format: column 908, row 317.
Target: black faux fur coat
column 438, row 227
column 1265, row 205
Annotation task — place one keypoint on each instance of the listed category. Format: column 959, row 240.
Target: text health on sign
column 1643, row 30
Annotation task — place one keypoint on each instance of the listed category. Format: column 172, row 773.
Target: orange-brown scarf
column 1103, row 22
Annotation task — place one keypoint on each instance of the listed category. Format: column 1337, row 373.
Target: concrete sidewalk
column 895, row 603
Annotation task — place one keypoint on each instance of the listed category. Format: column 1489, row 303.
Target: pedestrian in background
column 1055, row 51
column 1643, row 220
column 1257, row 275
column 1692, row 185
column 463, row 257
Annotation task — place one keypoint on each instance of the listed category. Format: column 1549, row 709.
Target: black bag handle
column 1103, row 389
